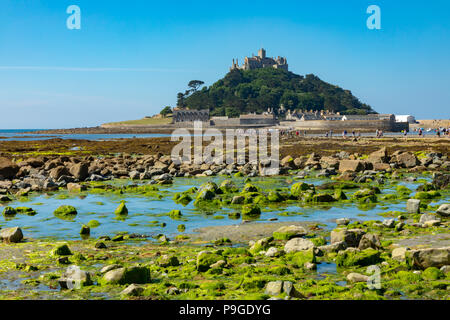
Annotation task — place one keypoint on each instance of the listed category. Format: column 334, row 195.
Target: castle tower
column 262, row 53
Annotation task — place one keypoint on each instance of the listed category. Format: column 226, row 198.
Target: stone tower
column 262, row 53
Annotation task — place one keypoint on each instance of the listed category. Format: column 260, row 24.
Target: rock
column 433, row 257
column 218, row 264
column 238, row 200
column 168, row 261
column 351, row 165
column 85, row 230
column 288, row 161
column 272, row 252
column 100, row 245
column 445, row 269
column 80, row 171
column 399, row 254
column 369, row 240
column 121, row 209
column 334, row 247
column 289, row 232
column 355, row 257
column 9, row 212
column 250, row 210
column 75, row 187
column 8, row 169
column 428, row 217
column 357, row 277
column 413, row 206
column 75, row 278
column 259, row 245
column 205, row 259
column 61, row 250
column 379, row 156
column 132, row 290
column 65, row 211
column 58, row 172
column 298, row 244
column 444, row 210
column 351, row 237
column 274, row 288
column 342, row 221
column 406, row 160
column 11, row 235
column 389, row 223
column 129, row 275
column 110, row 267
column 310, row 266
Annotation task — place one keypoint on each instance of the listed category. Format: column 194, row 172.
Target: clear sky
column 131, row 58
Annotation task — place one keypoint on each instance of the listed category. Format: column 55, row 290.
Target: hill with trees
column 244, row 91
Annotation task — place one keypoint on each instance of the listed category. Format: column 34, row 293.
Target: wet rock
column 424, row 218
column 413, row 206
column 355, row 257
column 389, row 223
column 58, row 172
column 121, row 210
column 298, row 244
column 75, row 187
column 110, row 267
column 11, row 235
column 379, row 156
column 274, row 288
column 406, row 160
column 65, row 211
column 168, row 261
column 100, row 245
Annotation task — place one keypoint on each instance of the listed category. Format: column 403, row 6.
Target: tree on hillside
column 167, row 110
column 195, row 85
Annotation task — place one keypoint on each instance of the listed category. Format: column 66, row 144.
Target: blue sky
column 130, row 58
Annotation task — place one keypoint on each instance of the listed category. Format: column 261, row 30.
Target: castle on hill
column 261, row 61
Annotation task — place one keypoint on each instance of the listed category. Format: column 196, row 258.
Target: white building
column 405, row 118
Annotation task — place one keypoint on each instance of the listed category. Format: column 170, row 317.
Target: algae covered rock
column 132, row 290
column 354, row 257
column 61, row 250
column 251, row 210
column 128, row 275
column 9, row 212
column 432, row 273
column 121, row 210
column 298, row 188
column 85, row 230
column 168, row 261
column 205, row 259
column 175, row 214
column 300, row 258
column 228, row 186
column 259, row 245
column 350, row 236
column 432, row 257
column 26, row 210
column 289, row 232
column 65, row 212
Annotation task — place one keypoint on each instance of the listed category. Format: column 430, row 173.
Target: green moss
column 298, row 259
column 251, row 211
column 181, row 227
column 9, row 212
column 175, row 214
column 93, row 224
column 432, row 273
column 298, row 188
column 26, row 210
column 205, row 259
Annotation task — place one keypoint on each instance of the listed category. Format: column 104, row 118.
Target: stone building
column 185, row 115
column 261, row 61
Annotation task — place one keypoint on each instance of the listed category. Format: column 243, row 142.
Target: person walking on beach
column 344, row 134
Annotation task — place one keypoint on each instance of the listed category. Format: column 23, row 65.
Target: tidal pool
column 147, row 214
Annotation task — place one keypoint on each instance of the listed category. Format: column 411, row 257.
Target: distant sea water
column 28, row 135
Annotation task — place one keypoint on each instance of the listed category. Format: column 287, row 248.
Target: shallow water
column 144, row 210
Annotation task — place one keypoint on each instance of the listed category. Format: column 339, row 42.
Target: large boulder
column 432, row 257
column 205, row 259
column 369, row 240
column 75, row 278
column 8, row 169
column 11, row 235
